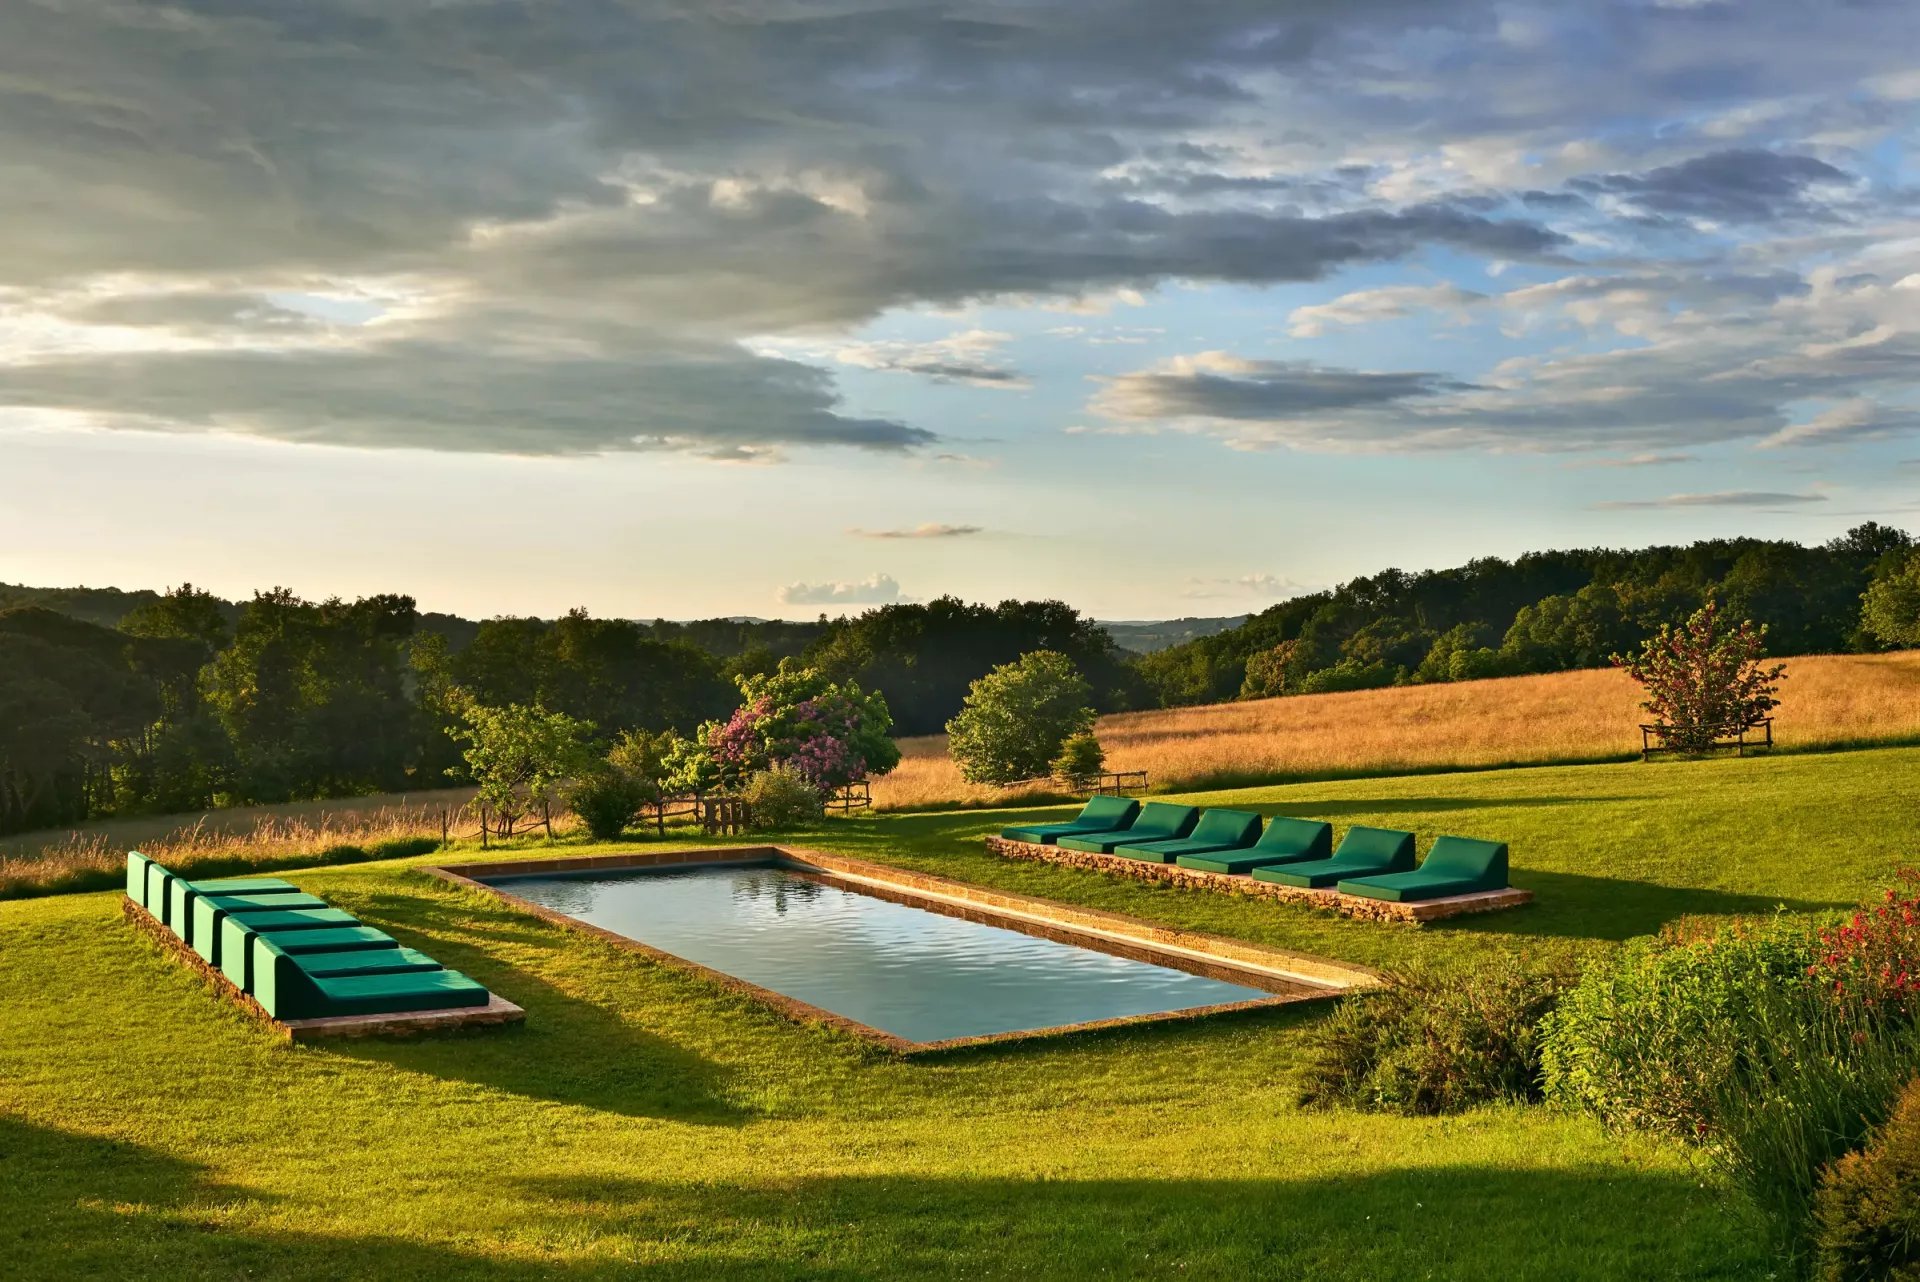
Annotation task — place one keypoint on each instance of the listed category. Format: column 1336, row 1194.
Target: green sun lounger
column 295, row 933
column 311, row 986
column 200, row 928
column 1157, row 821
column 1363, row 852
column 1286, row 841
column 1218, row 830
column 1455, row 866
column 1101, row 814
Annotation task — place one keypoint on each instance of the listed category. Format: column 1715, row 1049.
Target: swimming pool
column 914, row 961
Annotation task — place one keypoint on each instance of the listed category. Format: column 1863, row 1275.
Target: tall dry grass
column 249, row 839
column 1570, row 716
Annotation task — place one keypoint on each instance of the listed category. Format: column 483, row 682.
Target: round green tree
column 1016, row 718
column 1890, row 610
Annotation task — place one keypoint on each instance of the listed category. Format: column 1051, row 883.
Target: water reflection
column 917, row 974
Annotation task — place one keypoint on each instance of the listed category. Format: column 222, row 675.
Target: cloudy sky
column 690, row 307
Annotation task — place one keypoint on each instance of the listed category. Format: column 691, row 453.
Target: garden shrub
column 1867, row 1208
column 1814, row 1074
column 781, row 797
column 606, row 801
column 1080, row 757
column 1647, row 1037
column 1436, row 1042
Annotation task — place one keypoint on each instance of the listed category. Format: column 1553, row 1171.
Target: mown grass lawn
column 641, row 1119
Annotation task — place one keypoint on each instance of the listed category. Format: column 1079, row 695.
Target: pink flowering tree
column 830, row 733
column 1704, row 679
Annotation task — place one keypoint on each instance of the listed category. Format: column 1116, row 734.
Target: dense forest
column 117, row 702
column 1543, row 612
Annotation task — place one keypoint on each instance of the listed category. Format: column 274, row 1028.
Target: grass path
column 643, row 1119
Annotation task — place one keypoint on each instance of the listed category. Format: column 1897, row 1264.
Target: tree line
column 183, row 701
column 1550, row 612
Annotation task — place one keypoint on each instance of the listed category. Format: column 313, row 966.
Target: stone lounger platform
column 498, row 1009
column 1357, row 906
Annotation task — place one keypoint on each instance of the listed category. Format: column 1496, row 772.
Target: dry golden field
column 1568, row 716
column 240, row 836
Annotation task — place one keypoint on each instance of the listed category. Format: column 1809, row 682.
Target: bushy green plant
column 1812, row 1077
column 1349, row 674
column 1867, row 1208
column 1890, row 607
column 1646, row 1037
column 1436, row 1042
column 1080, row 756
column 832, row 732
column 1017, row 717
column 606, row 801
column 780, row 798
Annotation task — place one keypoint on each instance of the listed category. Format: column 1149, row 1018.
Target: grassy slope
column 643, row 1118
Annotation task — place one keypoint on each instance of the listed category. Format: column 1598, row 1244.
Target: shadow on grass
column 569, row 1050
column 84, row 1207
column 1577, row 905
column 1442, row 1221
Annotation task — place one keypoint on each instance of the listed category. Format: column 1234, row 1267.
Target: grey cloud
column 927, row 530
column 1743, row 186
column 188, row 310
column 1215, row 385
column 467, row 396
column 1728, row 498
column 698, row 175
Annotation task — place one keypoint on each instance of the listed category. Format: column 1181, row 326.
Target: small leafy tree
column 1702, row 679
column 1017, row 717
column 1890, row 607
column 1267, row 671
column 1080, row 756
column 520, row 756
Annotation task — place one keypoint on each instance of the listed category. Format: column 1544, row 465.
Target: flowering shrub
column 827, row 733
column 1875, row 957
column 1701, row 682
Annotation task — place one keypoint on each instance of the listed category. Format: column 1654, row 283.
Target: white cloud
column 1370, row 306
column 880, row 589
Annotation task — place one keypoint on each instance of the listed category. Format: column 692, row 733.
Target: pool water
column 917, row 974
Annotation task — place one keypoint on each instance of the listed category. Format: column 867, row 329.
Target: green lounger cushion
column 390, row 994
column 294, row 938
column 137, row 865
column 1101, row 814
column 199, row 927
column 1363, row 852
column 286, row 991
column 1217, row 830
column 1289, row 841
column 1455, row 866
column 231, row 935
column 182, row 894
column 364, row 961
column 1158, row 821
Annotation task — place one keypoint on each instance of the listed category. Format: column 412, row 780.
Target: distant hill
column 724, row 637
column 1144, row 636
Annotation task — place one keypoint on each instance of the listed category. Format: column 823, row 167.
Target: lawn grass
column 642, row 1119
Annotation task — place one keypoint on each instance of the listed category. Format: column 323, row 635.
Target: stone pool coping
column 1290, row 977
column 1413, row 912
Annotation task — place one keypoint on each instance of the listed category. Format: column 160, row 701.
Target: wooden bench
column 1757, row 735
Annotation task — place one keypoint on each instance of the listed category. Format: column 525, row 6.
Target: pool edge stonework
column 1290, row 978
